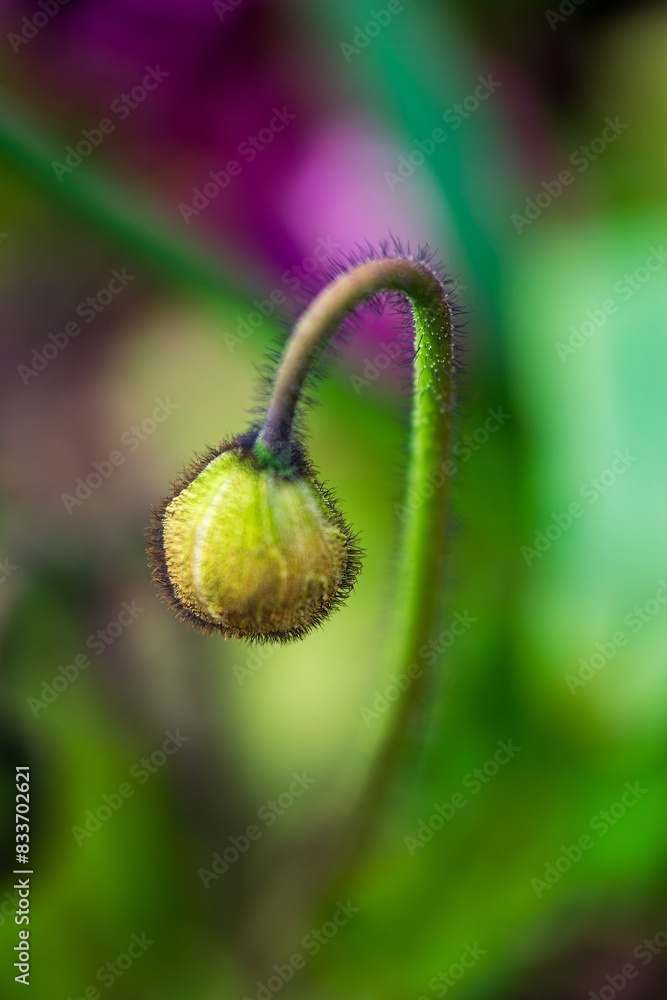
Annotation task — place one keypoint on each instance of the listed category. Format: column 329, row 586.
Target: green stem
column 425, row 535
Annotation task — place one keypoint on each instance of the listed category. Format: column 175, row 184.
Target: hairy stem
column 424, row 542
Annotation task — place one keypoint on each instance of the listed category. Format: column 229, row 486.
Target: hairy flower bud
column 254, row 551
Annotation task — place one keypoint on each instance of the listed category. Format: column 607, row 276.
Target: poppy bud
column 251, row 550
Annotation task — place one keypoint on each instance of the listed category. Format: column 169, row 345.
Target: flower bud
column 255, row 552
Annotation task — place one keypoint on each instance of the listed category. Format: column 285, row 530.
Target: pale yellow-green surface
column 251, row 550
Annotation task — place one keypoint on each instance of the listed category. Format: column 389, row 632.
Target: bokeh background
column 329, row 111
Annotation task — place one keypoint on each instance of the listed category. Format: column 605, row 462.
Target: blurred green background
column 526, row 145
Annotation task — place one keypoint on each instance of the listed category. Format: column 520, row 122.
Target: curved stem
column 425, row 529
column 324, row 316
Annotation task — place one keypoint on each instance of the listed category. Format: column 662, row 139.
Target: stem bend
column 425, row 533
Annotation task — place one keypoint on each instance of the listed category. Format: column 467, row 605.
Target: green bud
column 251, row 550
